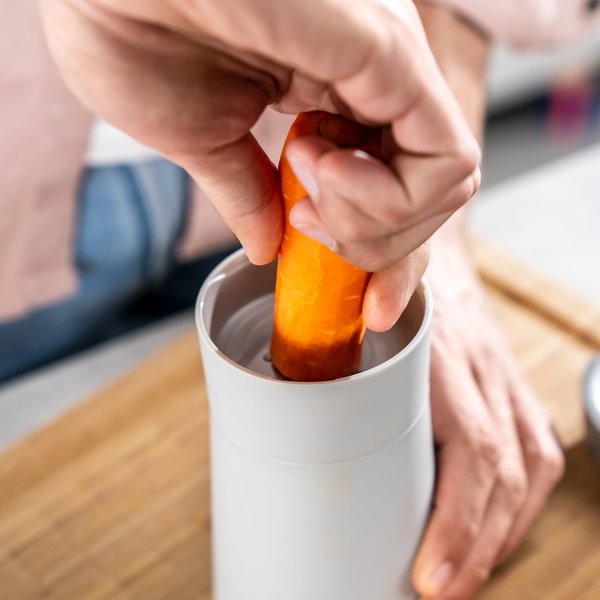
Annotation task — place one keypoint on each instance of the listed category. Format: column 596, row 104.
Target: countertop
column 111, row 501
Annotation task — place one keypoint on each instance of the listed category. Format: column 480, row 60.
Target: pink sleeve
column 529, row 22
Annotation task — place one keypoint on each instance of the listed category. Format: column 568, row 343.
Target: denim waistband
column 131, row 214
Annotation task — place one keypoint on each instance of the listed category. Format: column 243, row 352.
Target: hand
column 190, row 78
column 497, row 456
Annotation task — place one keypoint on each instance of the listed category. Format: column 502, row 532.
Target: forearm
column 476, row 387
column 462, row 55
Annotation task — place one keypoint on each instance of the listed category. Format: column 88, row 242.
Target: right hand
column 498, row 458
column 190, row 78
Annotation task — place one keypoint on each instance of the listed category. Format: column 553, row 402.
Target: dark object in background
column 591, row 399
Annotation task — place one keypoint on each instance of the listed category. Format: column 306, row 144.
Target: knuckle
column 462, row 531
column 228, row 125
column 514, row 486
column 554, row 464
column 469, row 530
column 468, row 157
column 397, row 216
column 464, row 192
column 480, row 572
column 458, row 198
column 459, row 195
column 488, row 354
column 550, row 461
column 533, row 452
column 342, row 223
column 486, row 447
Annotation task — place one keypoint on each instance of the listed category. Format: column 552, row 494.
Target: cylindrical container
column 320, row 491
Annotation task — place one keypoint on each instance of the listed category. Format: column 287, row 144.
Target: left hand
column 498, row 458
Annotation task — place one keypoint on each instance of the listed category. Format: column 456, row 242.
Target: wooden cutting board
column 112, row 500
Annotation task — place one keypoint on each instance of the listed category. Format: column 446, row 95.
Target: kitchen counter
column 111, row 501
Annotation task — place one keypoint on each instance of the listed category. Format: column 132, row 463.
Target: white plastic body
column 320, row 491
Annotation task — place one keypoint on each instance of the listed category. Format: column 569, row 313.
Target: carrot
column 318, row 329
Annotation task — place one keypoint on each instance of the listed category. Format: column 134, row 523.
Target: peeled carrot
column 319, row 329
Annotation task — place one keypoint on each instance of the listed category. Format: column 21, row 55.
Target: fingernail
column 306, row 177
column 317, row 235
column 438, row 579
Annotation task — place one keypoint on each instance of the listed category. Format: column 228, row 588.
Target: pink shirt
column 44, row 135
column 528, row 22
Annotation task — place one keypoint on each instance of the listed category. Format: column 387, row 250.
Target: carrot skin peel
column 318, row 330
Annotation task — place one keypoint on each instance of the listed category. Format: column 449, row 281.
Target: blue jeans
column 131, row 218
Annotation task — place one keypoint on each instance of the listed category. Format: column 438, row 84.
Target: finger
column 243, row 184
column 389, row 291
column 400, row 83
column 328, row 217
column 427, row 181
column 543, row 456
column 348, row 185
column 469, row 454
column 510, row 489
column 345, row 179
column 341, row 224
column 490, row 374
column 456, row 521
column 344, row 223
column 373, row 256
column 481, row 559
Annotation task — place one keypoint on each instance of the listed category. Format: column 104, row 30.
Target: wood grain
column 112, row 501
column 539, row 293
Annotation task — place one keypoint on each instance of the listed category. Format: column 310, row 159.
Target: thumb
column 243, row 186
column 389, row 291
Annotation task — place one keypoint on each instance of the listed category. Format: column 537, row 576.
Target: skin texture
column 497, row 456
column 190, row 78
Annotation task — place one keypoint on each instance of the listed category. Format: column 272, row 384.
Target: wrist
column 526, row 22
column 461, row 52
column 451, row 272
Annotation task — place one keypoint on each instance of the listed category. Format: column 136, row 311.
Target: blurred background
column 541, row 174
column 539, row 201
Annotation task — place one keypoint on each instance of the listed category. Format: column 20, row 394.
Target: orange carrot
column 318, row 329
